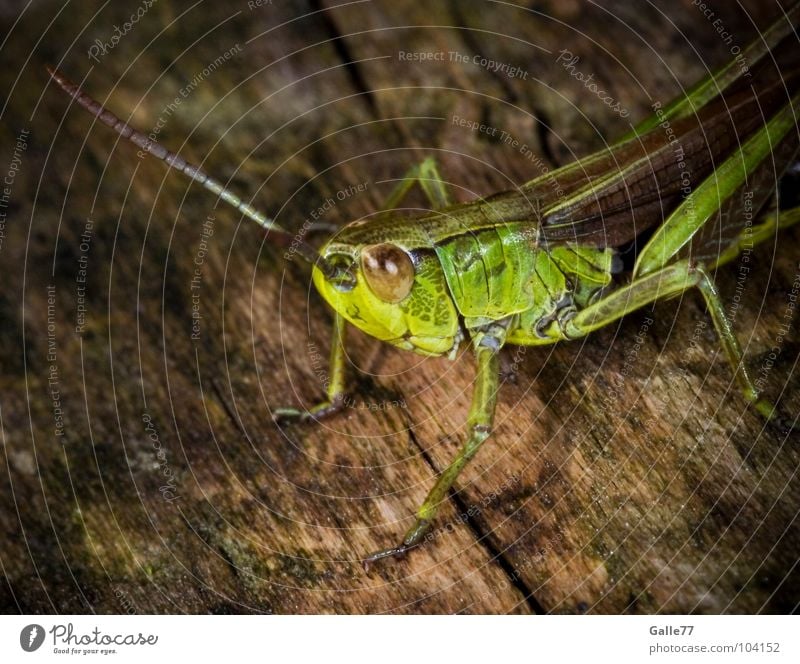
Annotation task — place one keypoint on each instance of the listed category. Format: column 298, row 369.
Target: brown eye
column 388, row 270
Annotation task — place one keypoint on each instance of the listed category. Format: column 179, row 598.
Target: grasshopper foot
column 318, row 412
column 412, row 539
column 392, row 552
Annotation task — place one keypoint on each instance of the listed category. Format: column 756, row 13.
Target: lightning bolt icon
column 32, row 636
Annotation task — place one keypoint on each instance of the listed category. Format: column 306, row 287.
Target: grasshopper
column 542, row 264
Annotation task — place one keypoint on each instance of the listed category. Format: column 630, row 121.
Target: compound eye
column 388, row 270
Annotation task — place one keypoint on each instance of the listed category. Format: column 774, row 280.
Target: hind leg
column 669, row 282
column 426, row 175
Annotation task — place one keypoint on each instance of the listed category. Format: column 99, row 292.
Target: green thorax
column 497, row 273
column 496, row 267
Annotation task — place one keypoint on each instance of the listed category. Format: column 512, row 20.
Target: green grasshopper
column 542, row 264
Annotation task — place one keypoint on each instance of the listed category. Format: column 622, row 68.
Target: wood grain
column 625, row 474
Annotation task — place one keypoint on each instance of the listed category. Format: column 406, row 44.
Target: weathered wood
column 625, row 473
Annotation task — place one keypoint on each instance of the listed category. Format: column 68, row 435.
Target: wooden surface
column 625, row 474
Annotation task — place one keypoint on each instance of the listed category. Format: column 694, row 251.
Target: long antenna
column 306, row 251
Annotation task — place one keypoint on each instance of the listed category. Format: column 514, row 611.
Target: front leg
column 479, row 426
column 335, row 385
column 426, row 175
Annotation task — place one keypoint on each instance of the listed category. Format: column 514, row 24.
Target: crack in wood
column 482, row 538
column 339, row 43
column 543, row 124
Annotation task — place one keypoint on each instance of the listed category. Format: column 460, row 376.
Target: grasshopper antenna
column 305, row 250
